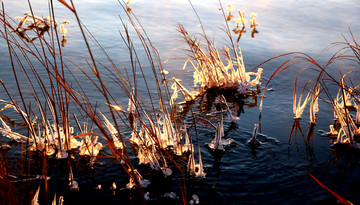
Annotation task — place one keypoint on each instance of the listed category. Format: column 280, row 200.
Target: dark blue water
column 275, row 172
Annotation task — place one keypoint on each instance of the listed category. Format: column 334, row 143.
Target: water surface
column 275, row 172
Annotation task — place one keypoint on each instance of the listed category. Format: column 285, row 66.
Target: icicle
column 199, row 168
column 253, row 141
column 166, row 171
column 170, row 195
column 189, row 95
column 333, row 131
column 230, row 114
column 54, row 201
column 90, row 147
column 174, row 96
column 187, row 146
column 132, row 102
column 113, row 133
column 35, row 199
column 216, row 143
column 61, row 200
column 147, row 196
column 143, row 182
column 195, row 169
column 191, row 164
column 314, row 105
column 17, row 109
column 357, row 118
column 74, row 186
column 61, row 154
column 113, row 186
column 116, row 107
column 257, row 79
column 6, row 131
column 299, row 108
column 194, row 200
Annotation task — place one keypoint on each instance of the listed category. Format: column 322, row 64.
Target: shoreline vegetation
column 156, row 133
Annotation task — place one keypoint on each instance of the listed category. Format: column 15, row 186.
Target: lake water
column 275, row 172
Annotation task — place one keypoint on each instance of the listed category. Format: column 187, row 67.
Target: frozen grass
column 345, row 127
column 159, row 135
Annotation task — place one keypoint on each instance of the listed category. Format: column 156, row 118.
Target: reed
column 344, row 128
column 212, row 72
column 8, row 191
column 156, row 134
column 50, row 132
column 344, row 131
column 148, row 132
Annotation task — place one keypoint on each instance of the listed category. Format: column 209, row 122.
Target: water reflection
column 31, row 27
column 209, row 99
column 217, row 155
column 253, row 25
column 253, row 31
column 239, row 32
column 63, row 41
column 239, row 106
column 128, row 8
column 309, row 154
column 63, row 31
column 33, row 23
column 242, row 21
column 296, row 127
column 294, row 130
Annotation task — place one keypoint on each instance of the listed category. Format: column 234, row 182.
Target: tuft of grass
column 346, row 100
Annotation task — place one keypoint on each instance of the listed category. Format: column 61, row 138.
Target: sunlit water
column 275, row 172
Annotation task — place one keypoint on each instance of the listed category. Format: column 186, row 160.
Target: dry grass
column 48, row 96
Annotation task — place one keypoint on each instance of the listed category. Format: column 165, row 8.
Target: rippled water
column 275, row 172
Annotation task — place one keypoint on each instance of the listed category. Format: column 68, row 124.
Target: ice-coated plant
column 113, row 132
column 241, row 18
column 348, row 131
column 143, row 182
column 219, row 69
column 314, row 104
column 218, row 143
column 253, row 141
column 230, row 114
column 196, row 169
column 50, row 138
